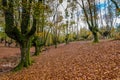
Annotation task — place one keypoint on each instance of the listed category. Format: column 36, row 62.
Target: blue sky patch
column 102, row 5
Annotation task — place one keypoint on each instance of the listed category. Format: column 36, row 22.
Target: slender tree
column 38, row 40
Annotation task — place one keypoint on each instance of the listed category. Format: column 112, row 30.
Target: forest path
column 75, row 61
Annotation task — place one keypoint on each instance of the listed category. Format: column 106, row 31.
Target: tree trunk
column 37, row 50
column 66, row 40
column 5, row 41
column 25, row 56
column 38, row 44
column 55, row 44
column 22, row 35
column 96, row 40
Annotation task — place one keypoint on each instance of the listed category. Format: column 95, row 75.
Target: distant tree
column 91, row 17
column 56, row 19
column 38, row 41
column 67, row 26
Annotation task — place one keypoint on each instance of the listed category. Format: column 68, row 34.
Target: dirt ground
column 75, row 61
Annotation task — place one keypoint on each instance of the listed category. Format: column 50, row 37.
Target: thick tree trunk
column 23, row 36
column 96, row 40
column 25, row 56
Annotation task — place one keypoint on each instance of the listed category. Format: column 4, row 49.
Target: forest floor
column 76, row 61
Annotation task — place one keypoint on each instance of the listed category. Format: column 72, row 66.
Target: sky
column 101, row 6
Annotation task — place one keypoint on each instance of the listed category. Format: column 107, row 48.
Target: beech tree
column 23, row 34
column 38, row 39
column 90, row 12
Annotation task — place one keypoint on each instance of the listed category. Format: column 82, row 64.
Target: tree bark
column 23, row 36
column 96, row 40
column 55, row 43
column 37, row 50
column 25, row 55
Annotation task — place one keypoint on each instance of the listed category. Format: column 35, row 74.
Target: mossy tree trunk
column 39, row 40
column 94, row 31
column 91, row 18
column 55, row 43
column 95, row 34
column 67, row 39
column 67, row 35
column 25, row 55
column 23, row 36
column 37, row 50
column 55, row 39
column 38, row 44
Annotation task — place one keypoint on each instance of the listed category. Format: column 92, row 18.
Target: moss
column 96, row 40
column 24, row 36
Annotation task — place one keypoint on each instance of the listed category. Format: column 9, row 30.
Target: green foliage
column 118, row 28
column 60, row 1
column 116, row 33
column 84, row 33
column 107, row 32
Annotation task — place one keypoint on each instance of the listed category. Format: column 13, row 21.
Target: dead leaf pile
column 75, row 61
